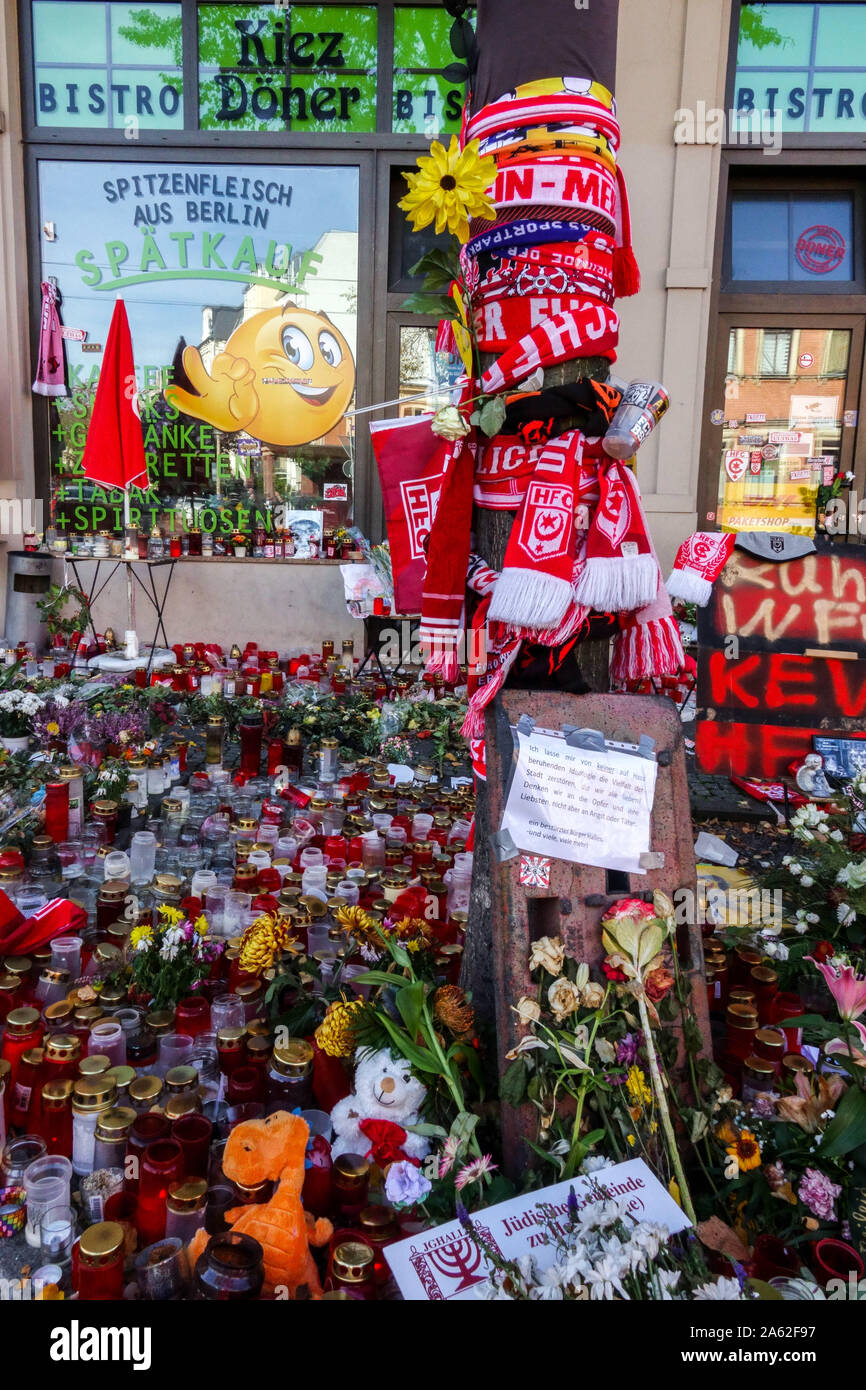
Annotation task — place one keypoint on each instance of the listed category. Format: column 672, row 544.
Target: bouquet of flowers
column 170, row 959
column 18, row 710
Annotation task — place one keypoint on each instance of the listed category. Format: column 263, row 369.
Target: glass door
column 788, row 425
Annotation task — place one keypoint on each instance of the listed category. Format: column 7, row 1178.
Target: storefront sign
column 299, row 67
column 736, row 463
column 803, row 65
column 798, row 666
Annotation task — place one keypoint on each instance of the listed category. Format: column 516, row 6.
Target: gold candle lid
column 21, row 1021
column 145, row 1088
column 160, row 1021
column 353, row 1262
column 185, row 1103
column 97, row 1064
column 93, row 1093
column 178, row 1080
column 62, row 1047
column 100, row 1243
column 294, row 1058
column 116, row 1122
column 190, row 1195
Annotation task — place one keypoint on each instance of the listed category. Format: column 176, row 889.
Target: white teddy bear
column 385, row 1089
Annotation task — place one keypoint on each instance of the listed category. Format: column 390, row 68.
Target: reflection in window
column 782, row 439
column 242, row 303
column 426, row 376
column 425, row 102
column 775, row 353
column 110, row 65
column 807, row 238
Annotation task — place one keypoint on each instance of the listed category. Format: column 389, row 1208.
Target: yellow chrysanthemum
column 140, row 933
column 172, row 915
column 262, row 942
column 53, row 728
column 638, row 1091
column 335, row 1034
column 449, row 188
column 201, row 925
column 355, row 922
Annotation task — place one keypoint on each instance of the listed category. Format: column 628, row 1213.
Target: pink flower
column 839, row 1047
column 474, row 1171
column 848, row 989
column 819, row 1194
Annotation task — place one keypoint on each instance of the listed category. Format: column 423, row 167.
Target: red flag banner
column 411, row 461
column 114, row 451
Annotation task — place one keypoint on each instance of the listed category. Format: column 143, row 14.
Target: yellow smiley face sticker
column 286, row 376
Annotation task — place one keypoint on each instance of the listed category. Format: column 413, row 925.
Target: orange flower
column 746, row 1150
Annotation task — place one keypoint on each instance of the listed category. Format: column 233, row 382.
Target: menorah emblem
column 459, row 1263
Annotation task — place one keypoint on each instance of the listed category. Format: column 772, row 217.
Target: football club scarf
column 496, row 647
column 534, row 590
column 448, row 553
column 412, row 462
column 621, row 573
column 594, row 332
column 575, row 182
column 532, row 230
column 503, row 321
column 50, row 379
column 593, row 110
column 699, row 562
column 648, row 643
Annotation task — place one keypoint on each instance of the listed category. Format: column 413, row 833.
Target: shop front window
column 425, row 102
column 108, row 65
column 792, row 238
column 804, row 65
column 782, row 438
column 287, row 67
column 240, row 283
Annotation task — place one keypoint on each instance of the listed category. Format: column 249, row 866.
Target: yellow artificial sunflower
column 335, row 1034
column 449, row 188
column 746, row 1150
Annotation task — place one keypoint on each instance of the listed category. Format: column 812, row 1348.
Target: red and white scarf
column 534, row 590
column 621, row 574
column 648, row 643
column 700, row 560
column 593, row 332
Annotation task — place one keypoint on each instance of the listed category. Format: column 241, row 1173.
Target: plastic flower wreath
column 449, row 188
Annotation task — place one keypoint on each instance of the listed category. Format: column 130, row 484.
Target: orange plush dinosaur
column 274, row 1149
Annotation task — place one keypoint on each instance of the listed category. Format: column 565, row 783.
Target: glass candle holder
column 161, row 1166
column 147, row 1129
column 192, row 1015
column 58, row 1230
column 66, row 954
column 194, row 1134
column 230, row 1269
column 43, row 1192
column 97, row 1262
column 175, row 1050
column 108, row 1039
column 162, row 1270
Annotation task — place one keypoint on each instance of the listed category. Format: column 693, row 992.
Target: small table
column 156, row 601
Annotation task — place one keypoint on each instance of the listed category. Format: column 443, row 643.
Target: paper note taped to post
column 445, row 1263
column 579, row 804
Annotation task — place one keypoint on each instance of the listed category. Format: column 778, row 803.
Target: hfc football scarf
column 621, row 574
column 593, row 332
column 496, row 647
column 699, row 562
column 534, row 590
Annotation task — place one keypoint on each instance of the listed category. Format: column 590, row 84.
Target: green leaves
column 410, row 1005
column 492, row 416
column 847, row 1129
column 512, row 1086
column 441, row 306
